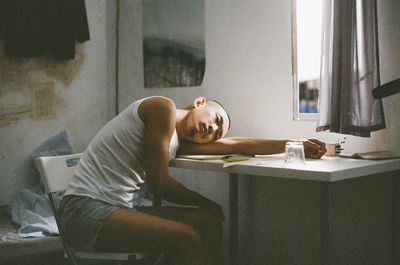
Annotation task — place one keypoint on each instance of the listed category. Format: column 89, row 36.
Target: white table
column 327, row 170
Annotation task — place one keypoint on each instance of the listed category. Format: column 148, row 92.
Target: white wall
column 389, row 37
column 389, row 19
column 248, row 68
column 83, row 107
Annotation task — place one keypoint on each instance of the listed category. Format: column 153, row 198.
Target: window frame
column 297, row 116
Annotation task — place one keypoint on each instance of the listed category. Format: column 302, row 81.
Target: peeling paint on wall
column 63, row 71
column 12, row 116
column 18, row 107
column 15, row 70
column 83, row 86
column 20, row 99
column 43, row 101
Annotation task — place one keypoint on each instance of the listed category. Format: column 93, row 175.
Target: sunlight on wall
column 309, row 21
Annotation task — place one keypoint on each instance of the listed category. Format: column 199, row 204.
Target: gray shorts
column 82, row 219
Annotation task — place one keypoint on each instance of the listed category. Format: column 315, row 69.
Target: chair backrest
column 57, row 171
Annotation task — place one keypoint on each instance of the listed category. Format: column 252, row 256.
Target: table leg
column 326, row 229
column 233, row 220
column 395, row 218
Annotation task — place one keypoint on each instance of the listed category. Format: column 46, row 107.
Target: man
column 135, row 148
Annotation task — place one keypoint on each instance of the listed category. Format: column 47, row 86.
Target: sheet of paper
column 202, row 157
column 375, row 155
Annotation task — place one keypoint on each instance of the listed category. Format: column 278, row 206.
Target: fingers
column 318, row 142
column 314, row 148
column 216, row 210
column 317, row 154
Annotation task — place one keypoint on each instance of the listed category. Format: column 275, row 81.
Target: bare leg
column 208, row 226
column 186, row 233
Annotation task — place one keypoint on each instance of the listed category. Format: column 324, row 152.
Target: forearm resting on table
column 243, row 145
column 256, row 146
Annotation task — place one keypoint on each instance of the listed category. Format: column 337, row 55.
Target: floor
column 58, row 259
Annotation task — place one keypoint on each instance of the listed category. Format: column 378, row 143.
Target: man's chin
column 202, row 141
column 196, row 141
column 188, row 139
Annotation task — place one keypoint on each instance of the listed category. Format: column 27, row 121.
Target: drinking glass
column 294, row 153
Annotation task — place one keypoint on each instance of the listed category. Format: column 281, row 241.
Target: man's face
column 206, row 123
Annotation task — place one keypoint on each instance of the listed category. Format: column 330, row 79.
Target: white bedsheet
column 31, row 210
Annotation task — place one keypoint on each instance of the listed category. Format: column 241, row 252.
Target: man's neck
column 180, row 120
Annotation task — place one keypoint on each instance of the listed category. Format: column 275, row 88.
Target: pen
column 234, row 158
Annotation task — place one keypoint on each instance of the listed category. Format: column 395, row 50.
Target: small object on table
column 294, row 153
column 234, row 158
column 333, row 149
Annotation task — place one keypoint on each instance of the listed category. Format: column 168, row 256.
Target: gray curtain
column 350, row 69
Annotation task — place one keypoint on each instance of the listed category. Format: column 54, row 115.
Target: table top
column 329, row 169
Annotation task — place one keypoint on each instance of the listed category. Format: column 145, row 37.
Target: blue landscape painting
column 173, row 43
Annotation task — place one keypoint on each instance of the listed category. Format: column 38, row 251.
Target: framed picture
column 173, row 43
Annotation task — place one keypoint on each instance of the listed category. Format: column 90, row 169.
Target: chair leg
column 151, row 260
column 160, row 260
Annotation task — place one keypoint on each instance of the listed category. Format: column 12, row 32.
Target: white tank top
column 111, row 168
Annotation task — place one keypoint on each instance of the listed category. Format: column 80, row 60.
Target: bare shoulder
column 161, row 108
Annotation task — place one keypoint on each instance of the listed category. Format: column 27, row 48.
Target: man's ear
column 199, row 101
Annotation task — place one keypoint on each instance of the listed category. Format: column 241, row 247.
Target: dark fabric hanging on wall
column 33, row 28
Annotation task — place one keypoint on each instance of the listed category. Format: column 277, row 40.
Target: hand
column 215, row 210
column 314, row 148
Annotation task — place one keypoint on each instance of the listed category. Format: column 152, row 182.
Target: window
column 306, row 55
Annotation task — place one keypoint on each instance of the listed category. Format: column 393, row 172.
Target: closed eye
column 216, row 119
column 218, row 132
column 219, row 120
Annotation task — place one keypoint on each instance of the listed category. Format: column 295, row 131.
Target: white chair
column 56, row 172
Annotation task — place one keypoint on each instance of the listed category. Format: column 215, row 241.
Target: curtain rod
column 387, row 89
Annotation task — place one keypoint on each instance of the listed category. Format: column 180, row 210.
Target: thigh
column 148, row 231
column 206, row 223
column 81, row 220
column 201, row 220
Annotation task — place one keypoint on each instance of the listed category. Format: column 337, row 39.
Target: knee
column 187, row 238
column 210, row 223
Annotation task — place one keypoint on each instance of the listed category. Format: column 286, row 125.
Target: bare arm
column 159, row 118
column 251, row 146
